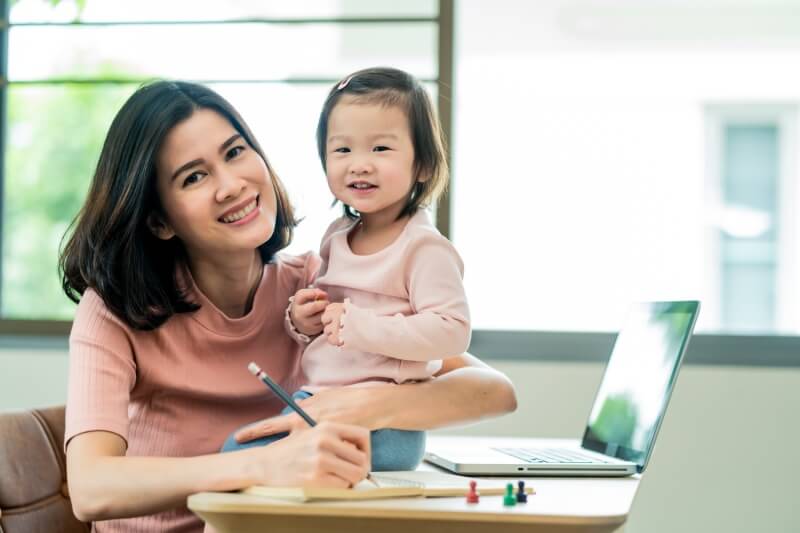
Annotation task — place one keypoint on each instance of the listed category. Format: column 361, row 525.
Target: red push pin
column 473, row 496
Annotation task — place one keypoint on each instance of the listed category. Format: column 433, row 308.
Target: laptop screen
column 638, row 381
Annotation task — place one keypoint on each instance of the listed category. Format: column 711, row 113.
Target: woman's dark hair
column 111, row 248
column 392, row 87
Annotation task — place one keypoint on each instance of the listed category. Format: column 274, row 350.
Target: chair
column 33, row 486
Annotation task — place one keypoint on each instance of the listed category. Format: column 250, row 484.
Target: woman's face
column 215, row 189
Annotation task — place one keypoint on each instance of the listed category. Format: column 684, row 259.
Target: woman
column 173, row 259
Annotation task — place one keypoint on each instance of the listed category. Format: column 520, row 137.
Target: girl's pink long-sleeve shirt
column 405, row 308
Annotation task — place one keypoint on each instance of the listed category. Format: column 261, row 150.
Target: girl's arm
column 465, row 390
column 105, row 484
column 440, row 323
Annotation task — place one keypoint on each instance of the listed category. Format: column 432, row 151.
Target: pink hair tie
column 344, row 83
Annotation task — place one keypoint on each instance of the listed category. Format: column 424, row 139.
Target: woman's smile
column 240, row 215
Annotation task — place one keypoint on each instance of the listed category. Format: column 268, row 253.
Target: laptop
column 626, row 414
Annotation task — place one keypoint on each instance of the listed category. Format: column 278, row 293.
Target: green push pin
column 509, row 500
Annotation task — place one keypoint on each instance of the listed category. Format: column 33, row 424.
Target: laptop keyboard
column 549, row 455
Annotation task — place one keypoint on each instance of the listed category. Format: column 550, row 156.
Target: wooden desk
column 563, row 505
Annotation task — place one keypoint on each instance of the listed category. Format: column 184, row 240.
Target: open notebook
column 391, row 485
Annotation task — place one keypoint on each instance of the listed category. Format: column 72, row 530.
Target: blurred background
column 602, row 152
column 615, row 151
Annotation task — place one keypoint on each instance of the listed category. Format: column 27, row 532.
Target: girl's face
column 216, row 191
column 370, row 157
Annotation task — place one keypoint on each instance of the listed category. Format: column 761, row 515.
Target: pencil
column 283, row 395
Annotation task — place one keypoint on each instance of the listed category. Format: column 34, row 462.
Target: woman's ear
column 159, row 227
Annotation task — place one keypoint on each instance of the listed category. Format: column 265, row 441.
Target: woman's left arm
column 464, row 390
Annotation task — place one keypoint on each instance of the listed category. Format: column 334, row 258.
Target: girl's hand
column 327, row 455
column 332, row 320
column 360, row 406
column 306, row 310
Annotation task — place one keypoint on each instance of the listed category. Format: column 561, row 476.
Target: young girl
column 388, row 303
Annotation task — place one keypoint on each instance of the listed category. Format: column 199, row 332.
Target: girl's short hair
column 111, row 248
column 392, row 87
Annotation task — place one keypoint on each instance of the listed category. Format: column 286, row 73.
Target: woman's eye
column 233, row 152
column 192, row 178
column 381, row 149
column 342, row 150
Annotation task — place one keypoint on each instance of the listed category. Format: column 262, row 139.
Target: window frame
column 784, row 118
column 16, row 329
column 4, row 27
column 527, row 346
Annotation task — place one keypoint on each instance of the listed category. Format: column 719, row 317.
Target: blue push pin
column 521, row 496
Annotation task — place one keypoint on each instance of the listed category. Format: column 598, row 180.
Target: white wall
column 32, row 378
column 726, row 458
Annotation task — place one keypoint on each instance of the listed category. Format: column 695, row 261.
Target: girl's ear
column 159, row 227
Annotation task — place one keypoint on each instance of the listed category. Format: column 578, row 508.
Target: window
column 752, row 246
column 598, row 152
column 585, row 176
column 71, row 64
column 748, row 257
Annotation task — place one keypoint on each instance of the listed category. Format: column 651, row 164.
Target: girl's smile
column 362, row 188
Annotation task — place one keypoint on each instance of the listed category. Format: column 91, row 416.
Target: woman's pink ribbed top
column 179, row 390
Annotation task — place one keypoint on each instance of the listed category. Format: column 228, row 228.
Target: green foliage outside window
column 53, row 138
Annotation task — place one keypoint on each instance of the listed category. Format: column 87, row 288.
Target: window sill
column 534, row 346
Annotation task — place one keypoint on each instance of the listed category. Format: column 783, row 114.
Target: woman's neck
column 230, row 283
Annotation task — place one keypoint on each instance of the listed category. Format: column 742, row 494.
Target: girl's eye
column 233, row 152
column 342, row 150
column 381, row 149
column 192, row 178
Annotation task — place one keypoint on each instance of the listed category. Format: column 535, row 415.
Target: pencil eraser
column 253, row 368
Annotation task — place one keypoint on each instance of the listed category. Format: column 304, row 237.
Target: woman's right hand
column 104, row 483
column 327, row 455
